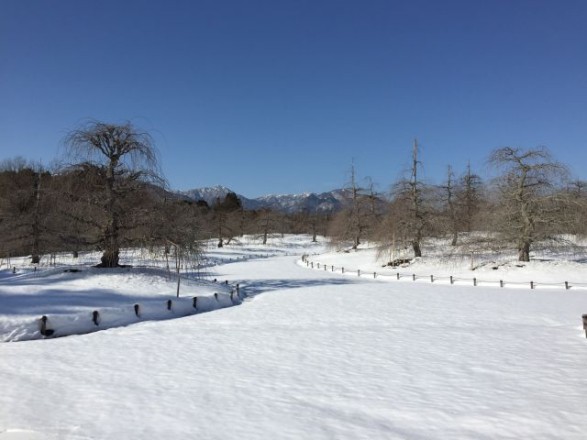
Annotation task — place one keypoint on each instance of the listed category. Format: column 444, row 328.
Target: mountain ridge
column 326, row 202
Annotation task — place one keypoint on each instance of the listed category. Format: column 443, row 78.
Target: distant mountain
column 330, row 201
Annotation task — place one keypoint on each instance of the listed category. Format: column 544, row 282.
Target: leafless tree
column 357, row 219
column 410, row 214
column 124, row 158
column 227, row 217
column 530, row 206
column 469, row 199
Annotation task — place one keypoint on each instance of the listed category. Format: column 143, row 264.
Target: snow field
column 314, row 354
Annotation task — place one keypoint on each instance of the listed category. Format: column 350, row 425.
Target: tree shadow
column 59, row 302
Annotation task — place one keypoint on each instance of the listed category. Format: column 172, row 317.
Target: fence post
column 195, row 302
column 451, row 280
column 474, row 281
column 44, row 330
column 431, row 278
column 358, row 272
column 566, row 285
column 137, row 310
column 397, row 274
column 95, row 317
column 500, row 283
column 343, row 270
column 332, row 268
column 169, row 304
column 413, row 277
column 312, row 265
column 531, row 284
column 374, row 275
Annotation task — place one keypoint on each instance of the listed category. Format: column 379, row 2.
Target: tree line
column 532, row 201
column 108, row 193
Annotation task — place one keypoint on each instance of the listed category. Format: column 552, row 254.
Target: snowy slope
column 314, row 354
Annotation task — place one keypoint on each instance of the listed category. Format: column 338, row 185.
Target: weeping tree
column 123, row 159
column 530, row 206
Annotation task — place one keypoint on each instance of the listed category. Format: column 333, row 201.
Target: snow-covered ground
column 309, row 354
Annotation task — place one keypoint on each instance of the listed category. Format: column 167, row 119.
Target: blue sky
column 282, row 96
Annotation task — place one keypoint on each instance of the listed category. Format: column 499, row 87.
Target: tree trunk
column 109, row 258
column 455, row 238
column 524, row 251
column 417, row 249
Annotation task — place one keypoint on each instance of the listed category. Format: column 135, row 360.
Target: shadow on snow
column 262, row 286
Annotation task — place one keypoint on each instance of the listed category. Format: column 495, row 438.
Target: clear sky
column 281, row 96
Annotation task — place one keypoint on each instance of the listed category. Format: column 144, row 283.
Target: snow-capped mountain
column 330, row 201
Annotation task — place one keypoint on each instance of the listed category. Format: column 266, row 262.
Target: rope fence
column 566, row 285
column 49, row 327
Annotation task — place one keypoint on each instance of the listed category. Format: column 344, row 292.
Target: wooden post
column 343, row 270
column 332, row 268
column 566, row 285
column 168, row 304
column 413, row 277
column 195, row 302
column 500, row 283
column 137, row 310
column 397, row 275
column 531, row 284
column 358, row 272
column 374, row 275
column 238, row 292
column 474, row 281
column 44, row 330
column 451, row 280
column 95, row 317
column 431, row 278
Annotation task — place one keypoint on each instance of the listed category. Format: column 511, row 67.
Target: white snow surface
column 310, row 354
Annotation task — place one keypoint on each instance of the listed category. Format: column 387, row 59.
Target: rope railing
column 184, row 306
column 567, row 285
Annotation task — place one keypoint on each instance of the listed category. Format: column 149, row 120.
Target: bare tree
column 529, row 204
column 410, row 215
column 227, row 216
column 124, row 158
column 469, row 199
column 357, row 219
column 449, row 198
